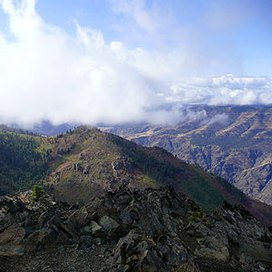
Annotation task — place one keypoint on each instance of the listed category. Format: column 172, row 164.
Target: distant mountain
column 86, row 162
column 46, row 128
column 233, row 142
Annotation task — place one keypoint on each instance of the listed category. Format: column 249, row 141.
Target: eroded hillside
column 231, row 142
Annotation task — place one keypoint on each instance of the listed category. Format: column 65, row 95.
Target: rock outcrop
column 125, row 230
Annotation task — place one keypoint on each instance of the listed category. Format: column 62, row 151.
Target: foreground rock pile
column 148, row 230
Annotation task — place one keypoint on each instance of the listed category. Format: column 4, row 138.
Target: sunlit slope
column 87, row 162
column 233, row 142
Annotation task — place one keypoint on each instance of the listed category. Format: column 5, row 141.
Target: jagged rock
column 79, row 217
column 213, row 248
column 68, row 228
column 121, row 164
column 40, row 239
column 81, row 168
column 132, row 253
column 108, row 224
column 136, row 252
column 11, row 241
column 95, row 229
column 125, row 230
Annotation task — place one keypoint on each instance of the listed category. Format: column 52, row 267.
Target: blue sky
column 240, row 30
column 237, row 32
column 90, row 55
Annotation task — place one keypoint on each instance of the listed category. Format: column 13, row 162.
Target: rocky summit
column 129, row 230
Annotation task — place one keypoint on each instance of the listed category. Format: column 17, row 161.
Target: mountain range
column 108, row 204
column 233, row 142
column 87, row 162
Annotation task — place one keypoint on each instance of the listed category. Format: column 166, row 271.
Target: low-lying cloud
column 48, row 74
column 224, row 90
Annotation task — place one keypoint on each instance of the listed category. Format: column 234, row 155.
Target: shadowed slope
column 87, row 162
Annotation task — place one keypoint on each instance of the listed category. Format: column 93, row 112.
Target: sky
column 118, row 61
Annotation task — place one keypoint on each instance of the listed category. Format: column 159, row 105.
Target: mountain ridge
column 87, row 162
column 235, row 145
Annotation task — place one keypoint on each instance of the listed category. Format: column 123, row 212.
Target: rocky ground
column 139, row 230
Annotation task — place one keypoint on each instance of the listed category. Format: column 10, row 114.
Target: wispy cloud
column 48, row 74
column 137, row 12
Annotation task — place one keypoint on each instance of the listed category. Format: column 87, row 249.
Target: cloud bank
column 48, row 74
column 224, row 90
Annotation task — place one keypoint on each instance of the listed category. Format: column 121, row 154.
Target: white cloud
column 217, row 119
column 48, row 74
column 224, row 90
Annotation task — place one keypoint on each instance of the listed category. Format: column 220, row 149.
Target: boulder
column 108, row 224
column 95, row 229
column 11, row 241
column 39, row 239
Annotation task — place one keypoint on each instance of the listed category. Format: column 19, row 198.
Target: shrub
column 37, row 192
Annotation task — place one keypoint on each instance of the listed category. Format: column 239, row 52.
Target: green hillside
column 23, row 161
column 86, row 162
